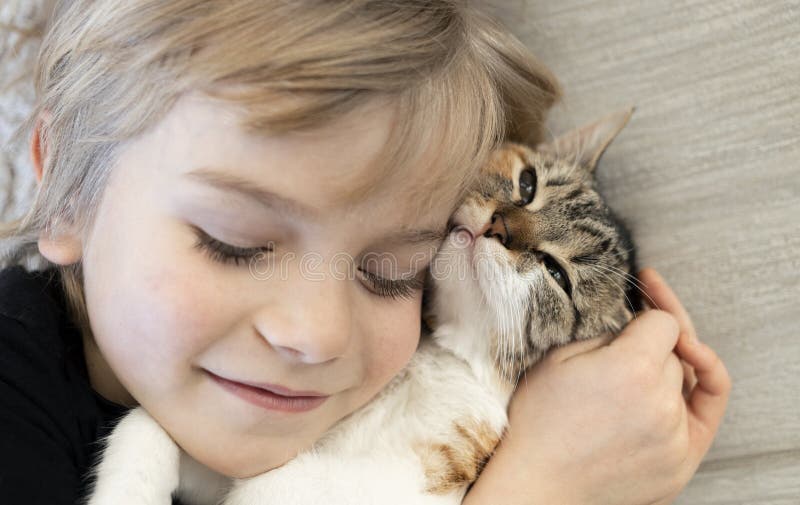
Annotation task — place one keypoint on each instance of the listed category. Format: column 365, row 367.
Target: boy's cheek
column 394, row 340
column 151, row 322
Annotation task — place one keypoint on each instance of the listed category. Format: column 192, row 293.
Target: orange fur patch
column 448, row 466
column 504, row 159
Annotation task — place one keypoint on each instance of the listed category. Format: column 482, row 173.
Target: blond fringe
column 109, row 70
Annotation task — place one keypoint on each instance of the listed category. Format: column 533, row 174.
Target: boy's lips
column 271, row 396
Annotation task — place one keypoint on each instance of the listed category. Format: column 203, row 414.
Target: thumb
column 563, row 353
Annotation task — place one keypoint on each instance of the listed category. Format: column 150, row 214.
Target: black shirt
column 50, row 417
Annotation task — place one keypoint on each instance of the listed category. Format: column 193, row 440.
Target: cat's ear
column 586, row 144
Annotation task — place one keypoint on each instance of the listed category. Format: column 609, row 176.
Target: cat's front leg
column 139, row 465
column 306, row 480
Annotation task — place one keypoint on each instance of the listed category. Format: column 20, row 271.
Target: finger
column 664, row 298
column 689, row 380
column 689, row 377
column 568, row 351
column 709, row 398
column 653, row 334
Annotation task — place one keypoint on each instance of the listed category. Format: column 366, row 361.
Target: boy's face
column 171, row 322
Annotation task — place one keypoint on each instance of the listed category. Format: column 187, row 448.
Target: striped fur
column 567, row 220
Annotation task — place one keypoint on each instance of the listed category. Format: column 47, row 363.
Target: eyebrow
column 247, row 189
column 251, row 191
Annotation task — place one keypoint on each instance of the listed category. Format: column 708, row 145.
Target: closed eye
column 393, row 288
column 225, row 253
column 557, row 272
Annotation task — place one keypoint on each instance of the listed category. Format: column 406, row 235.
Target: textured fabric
column 18, row 49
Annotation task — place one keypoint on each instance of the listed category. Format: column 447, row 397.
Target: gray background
column 706, row 174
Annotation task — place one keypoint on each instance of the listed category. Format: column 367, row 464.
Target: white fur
column 140, row 464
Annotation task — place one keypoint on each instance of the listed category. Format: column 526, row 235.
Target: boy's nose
column 312, row 324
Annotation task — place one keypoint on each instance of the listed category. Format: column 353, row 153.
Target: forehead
column 208, row 132
column 336, row 167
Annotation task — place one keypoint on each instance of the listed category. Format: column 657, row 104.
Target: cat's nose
column 498, row 229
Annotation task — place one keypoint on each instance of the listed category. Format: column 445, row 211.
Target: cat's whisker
column 572, row 169
column 618, row 325
column 552, row 142
column 605, row 271
column 500, row 348
column 579, row 152
column 632, row 280
column 629, row 279
column 508, row 335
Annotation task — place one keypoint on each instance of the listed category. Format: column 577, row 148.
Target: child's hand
column 607, row 423
column 707, row 384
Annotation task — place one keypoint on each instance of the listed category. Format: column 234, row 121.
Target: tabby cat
column 535, row 259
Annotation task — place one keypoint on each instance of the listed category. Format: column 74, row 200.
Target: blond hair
column 108, row 70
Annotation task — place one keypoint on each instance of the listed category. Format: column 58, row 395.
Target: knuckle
column 672, row 412
column 678, row 448
column 642, row 371
column 666, row 320
column 665, row 418
column 674, row 362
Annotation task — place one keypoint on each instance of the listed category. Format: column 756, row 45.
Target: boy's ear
column 63, row 248
column 586, row 144
column 39, row 151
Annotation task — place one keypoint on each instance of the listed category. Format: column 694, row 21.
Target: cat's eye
column 557, row 273
column 527, row 186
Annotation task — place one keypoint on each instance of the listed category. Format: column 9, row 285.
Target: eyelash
column 394, row 289
column 228, row 254
column 225, row 253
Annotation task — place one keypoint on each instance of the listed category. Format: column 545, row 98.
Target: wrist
column 513, row 479
column 509, row 491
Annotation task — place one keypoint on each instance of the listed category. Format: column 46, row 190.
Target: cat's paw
column 310, row 480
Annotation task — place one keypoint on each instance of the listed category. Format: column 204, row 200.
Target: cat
column 534, row 259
